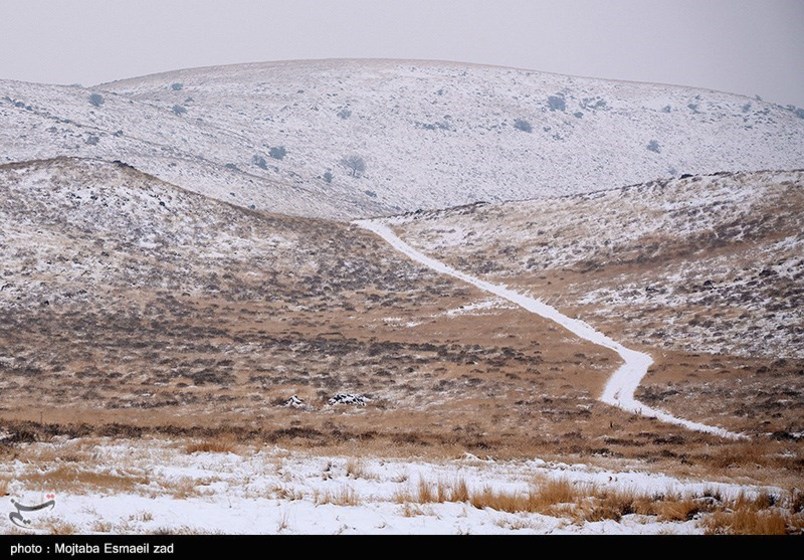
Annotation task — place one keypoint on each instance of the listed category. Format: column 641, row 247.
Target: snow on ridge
column 429, row 135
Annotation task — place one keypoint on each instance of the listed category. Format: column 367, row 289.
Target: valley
column 206, row 298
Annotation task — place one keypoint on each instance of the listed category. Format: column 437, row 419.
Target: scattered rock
column 294, row 402
column 348, row 398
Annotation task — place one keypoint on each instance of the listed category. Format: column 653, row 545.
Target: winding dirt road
column 620, row 388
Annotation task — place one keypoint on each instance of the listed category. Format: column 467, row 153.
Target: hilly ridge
column 429, row 135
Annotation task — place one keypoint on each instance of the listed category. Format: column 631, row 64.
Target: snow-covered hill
column 357, row 138
column 79, row 233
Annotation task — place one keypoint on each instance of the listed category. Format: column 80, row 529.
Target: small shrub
column 96, row 99
column 523, row 125
column 327, row 177
column 441, row 125
column 278, row 152
column 176, row 86
column 344, row 113
column 593, row 103
column 355, row 165
column 653, row 146
column 556, row 103
column 259, row 161
column 179, row 110
column 92, row 140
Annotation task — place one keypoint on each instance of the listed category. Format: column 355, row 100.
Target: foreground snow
column 272, row 490
column 619, row 390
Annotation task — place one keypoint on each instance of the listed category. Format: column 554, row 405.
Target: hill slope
column 705, row 264
column 705, row 274
column 419, row 134
column 131, row 304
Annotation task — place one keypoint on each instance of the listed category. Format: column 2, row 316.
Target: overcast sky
column 742, row 46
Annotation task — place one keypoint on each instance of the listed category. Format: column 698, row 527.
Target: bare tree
column 355, row 165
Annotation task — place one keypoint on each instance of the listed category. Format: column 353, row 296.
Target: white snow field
column 273, row 490
column 620, row 388
column 429, row 134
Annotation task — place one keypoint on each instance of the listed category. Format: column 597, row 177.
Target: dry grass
column 183, row 530
column 101, row 527
column 4, row 487
column 585, row 503
column 412, row 510
column 746, row 521
column 605, row 504
column 284, row 521
column 224, row 443
column 796, row 501
column 344, row 496
column 438, row 492
column 75, row 479
column 403, row 496
column 61, row 528
column 426, row 493
column 355, row 468
column 281, row 492
column 184, row 488
column 680, row 509
column 763, row 514
column 540, row 499
column 143, row 516
column 459, row 491
column 503, row 501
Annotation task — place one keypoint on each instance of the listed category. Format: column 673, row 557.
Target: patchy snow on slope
column 621, row 386
column 720, row 254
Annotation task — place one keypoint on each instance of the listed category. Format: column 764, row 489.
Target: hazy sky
column 743, row 46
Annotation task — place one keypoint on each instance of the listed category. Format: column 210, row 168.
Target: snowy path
column 620, row 388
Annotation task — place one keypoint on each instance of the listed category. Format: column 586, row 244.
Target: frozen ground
column 158, row 486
